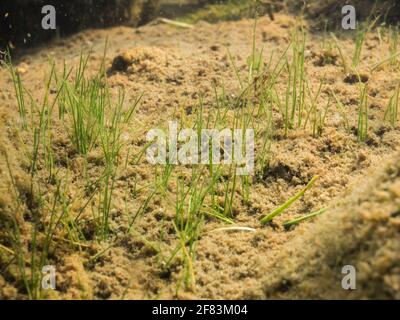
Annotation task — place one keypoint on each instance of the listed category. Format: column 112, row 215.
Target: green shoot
column 86, row 105
column 295, row 93
column 362, row 128
column 384, row 61
column 288, row 203
column 110, row 136
column 343, row 60
column 394, row 43
column 255, row 61
column 19, row 90
column 360, row 39
column 289, row 223
column 392, row 108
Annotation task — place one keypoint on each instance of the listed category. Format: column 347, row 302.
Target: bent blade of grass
column 217, row 215
column 235, row 228
column 385, row 61
column 296, row 221
column 8, row 250
column 288, row 203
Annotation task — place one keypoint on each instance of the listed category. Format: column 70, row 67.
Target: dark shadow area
column 21, row 20
column 327, row 14
column 176, row 9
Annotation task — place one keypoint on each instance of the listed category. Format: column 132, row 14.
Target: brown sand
column 171, row 66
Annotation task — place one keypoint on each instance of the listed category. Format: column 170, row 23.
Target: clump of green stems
column 194, row 199
column 360, row 39
column 295, row 93
column 255, row 62
column 110, row 137
column 391, row 113
column 315, row 116
column 392, row 60
column 190, row 210
column 362, row 127
column 188, row 220
column 47, row 216
column 269, row 217
column 224, row 211
column 19, row 90
column 96, row 121
column 197, row 198
column 86, row 102
column 41, row 129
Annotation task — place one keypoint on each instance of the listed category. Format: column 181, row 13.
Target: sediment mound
column 362, row 230
column 142, row 61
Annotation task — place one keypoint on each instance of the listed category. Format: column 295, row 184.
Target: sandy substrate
column 171, row 66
